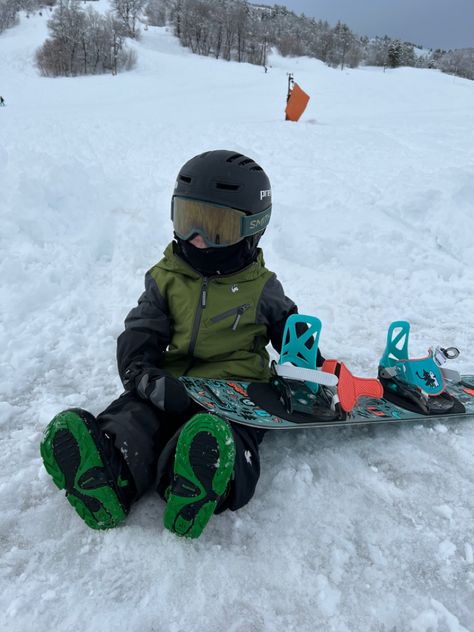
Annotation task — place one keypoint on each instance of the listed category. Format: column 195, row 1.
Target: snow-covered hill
column 373, row 221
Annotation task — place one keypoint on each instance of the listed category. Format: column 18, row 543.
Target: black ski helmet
column 229, row 179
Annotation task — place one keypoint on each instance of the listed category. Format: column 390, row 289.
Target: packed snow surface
column 349, row 530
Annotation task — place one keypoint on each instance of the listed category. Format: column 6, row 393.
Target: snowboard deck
column 257, row 404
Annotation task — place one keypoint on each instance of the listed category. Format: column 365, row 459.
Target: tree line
column 83, row 41
column 239, row 31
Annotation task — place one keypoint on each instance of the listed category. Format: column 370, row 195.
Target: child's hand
column 164, row 391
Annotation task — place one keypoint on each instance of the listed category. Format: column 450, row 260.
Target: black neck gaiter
column 214, row 261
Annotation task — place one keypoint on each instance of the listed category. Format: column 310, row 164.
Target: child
column 209, row 309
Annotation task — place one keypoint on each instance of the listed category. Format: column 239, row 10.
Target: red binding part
column 349, row 387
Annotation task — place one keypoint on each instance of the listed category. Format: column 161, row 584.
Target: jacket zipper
column 242, row 309
column 197, row 317
column 205, row 283
column 238, row 311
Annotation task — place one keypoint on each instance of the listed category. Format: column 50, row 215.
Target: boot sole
column 188, row 512
column 73, row 459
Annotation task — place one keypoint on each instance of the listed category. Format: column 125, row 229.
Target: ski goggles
column 219, row 226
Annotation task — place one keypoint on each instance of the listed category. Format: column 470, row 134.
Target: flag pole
column 291, row 82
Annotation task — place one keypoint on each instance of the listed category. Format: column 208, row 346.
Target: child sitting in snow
column 209, row 309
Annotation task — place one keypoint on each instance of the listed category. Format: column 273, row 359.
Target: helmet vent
column 234, row 157
column 227, row 187
column 244, row 162
column 256, row 168
column 186, row 179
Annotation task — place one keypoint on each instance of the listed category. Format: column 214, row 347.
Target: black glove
column 164, row 391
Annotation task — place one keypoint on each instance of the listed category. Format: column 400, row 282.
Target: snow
column 362, row 529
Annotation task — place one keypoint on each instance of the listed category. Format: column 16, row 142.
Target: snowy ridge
column 373, row 204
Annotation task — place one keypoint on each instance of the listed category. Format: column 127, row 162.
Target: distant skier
column 209, row 309
column 2, row 102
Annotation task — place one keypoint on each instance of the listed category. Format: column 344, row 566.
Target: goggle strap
column 252, row 224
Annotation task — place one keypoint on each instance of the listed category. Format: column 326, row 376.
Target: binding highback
column 301, row 348
column 397, row 343
column 424, row 373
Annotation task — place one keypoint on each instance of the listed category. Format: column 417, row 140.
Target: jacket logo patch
column 234, row 289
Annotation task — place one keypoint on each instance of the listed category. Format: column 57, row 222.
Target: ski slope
column 349, row 530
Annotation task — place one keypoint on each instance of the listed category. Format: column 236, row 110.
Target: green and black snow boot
column 84, row 462
column 203, row 467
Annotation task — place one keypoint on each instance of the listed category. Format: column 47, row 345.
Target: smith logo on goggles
column 217, row 225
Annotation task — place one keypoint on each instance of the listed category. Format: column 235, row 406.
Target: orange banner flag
column 296, row 103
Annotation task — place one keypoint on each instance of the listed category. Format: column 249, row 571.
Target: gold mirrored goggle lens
column 218, row 225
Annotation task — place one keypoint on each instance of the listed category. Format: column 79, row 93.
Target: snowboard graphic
column 258, row 404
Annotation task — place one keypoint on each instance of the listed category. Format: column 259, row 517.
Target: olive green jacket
column 215, row 327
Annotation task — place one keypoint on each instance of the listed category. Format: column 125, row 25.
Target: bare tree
column 67, row 26
column 8, row 14
column 82, row 42
column 159, row 12
column 458, row 62
column 128, row 12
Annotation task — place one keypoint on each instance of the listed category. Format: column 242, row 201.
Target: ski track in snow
column 350, row 529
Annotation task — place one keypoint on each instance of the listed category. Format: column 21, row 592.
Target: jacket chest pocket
column 233, row 316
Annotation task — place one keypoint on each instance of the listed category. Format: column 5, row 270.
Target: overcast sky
column 432, row 23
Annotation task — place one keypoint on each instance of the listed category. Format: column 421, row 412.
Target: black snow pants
column 147, row 439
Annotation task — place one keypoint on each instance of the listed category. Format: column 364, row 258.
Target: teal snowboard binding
column 417, row 384
column 299, row 349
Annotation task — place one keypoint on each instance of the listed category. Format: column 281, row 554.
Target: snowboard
column 257, row 404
